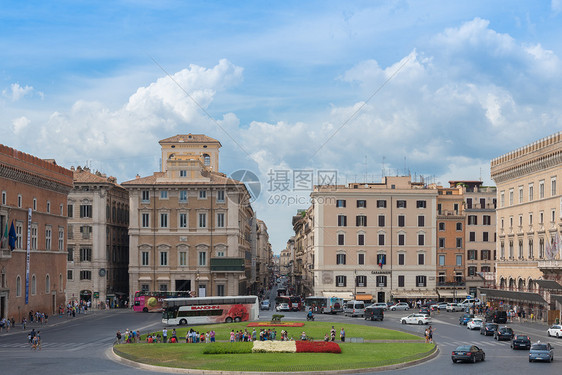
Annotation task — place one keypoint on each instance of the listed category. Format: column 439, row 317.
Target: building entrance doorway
column 381, row 297
column 86, row 295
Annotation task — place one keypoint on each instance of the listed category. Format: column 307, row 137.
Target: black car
column 503, row 333
column 374, row 313
column 425, row 310
column 488, row 329
column 468, row 353
column 496, row 316
column 521, row 342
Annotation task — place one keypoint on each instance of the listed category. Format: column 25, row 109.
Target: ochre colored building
column 34, row 199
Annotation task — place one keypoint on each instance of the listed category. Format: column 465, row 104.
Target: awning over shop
column 509, row 295
column 344, row 295
column 414, row 294
column 363, row 297
column 451, row 294
column 548, row 284
column 556, row 298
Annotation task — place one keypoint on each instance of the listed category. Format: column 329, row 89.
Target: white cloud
column 20, row 124
column 16, row 92
column 556, row 6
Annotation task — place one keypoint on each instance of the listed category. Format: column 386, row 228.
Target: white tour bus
column 324, row 305
column 206, row 310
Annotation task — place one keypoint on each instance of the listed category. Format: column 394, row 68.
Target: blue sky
column 435, row 88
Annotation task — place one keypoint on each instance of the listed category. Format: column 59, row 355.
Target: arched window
column 521, row 285
column 47, row 284
column 33, row 285
column 18, row 286
column 206, row 160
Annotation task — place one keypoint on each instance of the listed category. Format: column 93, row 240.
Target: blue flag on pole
column 12, row 237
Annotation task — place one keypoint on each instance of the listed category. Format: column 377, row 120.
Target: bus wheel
column 229, row 320
column 145, row 309
column 183, row 322
column 237, row 319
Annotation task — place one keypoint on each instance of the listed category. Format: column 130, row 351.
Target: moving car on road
column 416, row 319
column 439, row 306
column 400, row 306
column 521, row 342
column 452, row 307
column 374, row 313
column 468, row 353
column 474, row 323
column 541, row 352
column 380, row 305
column 496, row 316
column 464, row 318
column 264, row 304
column 503, row 333
column 555, row 330
column 488, row 329
column 283, row 307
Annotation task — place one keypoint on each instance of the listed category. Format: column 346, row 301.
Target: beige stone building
column 529, row 216
column 98, row 239
column 191, row 228
column 375, row 241
column 480, row 234
column 303, row 224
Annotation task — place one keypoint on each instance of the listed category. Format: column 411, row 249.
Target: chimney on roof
column 138, row 176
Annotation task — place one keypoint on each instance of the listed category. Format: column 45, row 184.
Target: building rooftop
column 190, row 138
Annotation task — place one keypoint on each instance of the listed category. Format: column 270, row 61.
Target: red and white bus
column 152, row 301
column 208, row 310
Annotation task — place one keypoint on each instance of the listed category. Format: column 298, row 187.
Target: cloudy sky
column 362, row 88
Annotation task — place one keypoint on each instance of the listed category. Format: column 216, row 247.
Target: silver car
column 400, row 306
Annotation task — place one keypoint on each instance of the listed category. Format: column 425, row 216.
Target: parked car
column 521, row 342
column 464, row 318
column 374, row 312
column 400, row 306
column 488, row 329
column 380, row 305
column 283, row 307
column 541, row 352
column 503, row 333
column 264, row 304
column 452, row 307
column 496, row 316
column 416, row 319
column 474, row 323
column 555, row 330
column 468, row 353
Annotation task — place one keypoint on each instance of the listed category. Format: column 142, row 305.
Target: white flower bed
column 274, row 347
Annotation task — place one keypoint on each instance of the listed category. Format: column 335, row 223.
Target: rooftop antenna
column 383, row 158
column 365, row 169
column 480, row 173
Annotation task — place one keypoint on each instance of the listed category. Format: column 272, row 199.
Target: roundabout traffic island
column 379, row 349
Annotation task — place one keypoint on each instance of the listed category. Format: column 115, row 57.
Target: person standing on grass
column 165, row 335
column 342, row 335
column 333, row 334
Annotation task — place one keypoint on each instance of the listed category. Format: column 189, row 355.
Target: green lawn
column 354, row 355
column 316, row 330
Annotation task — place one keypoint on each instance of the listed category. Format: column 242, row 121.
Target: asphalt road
column 79, row 345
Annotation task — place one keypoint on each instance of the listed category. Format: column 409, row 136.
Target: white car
column 416, row 319
column 469, row 302
column 474, row 323
column 380, row 305
column 400, row 306
column 439, row 306
column 283, row 307
column 452, row 307
column 555, row 330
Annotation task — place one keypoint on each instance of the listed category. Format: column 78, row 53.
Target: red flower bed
column 267, row 324
column 317, row 347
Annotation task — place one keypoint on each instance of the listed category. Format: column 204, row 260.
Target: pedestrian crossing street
column 68, row 346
